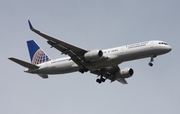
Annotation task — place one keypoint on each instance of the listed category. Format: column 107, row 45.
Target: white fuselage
column 112, row 56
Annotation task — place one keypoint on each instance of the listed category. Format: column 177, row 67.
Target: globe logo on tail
column 39, row 57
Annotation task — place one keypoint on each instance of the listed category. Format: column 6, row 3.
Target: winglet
column 30, row 25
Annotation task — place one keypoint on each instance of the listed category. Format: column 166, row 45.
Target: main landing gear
column 151, row 60
column 100, row 80
column 82, row 70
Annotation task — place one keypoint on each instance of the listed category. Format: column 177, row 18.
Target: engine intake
column 124, row 73
column 93, row 55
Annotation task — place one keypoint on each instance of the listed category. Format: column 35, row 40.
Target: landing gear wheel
column 81, row 71
column 98, row 81
column 151, row 64
column 103, row 80
column 85, row 69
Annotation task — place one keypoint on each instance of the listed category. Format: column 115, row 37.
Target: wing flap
column 76, row 57
column 23, row 63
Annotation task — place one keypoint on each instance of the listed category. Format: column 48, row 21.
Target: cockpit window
column 163, row 43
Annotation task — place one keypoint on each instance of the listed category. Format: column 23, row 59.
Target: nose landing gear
column 151, row 60
column 150, row 64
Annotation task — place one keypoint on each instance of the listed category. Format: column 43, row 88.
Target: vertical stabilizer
column 37, row 55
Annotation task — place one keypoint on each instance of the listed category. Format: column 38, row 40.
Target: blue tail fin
column 37, row 55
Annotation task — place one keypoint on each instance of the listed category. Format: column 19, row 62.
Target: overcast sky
column 90, row 24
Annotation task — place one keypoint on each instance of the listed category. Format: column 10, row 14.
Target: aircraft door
column 122, row 49
column 152, row 44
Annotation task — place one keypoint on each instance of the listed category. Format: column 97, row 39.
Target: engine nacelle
column 124, row 73
column 93, row 55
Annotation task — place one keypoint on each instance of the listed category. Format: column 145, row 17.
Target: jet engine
column 93, row 55
column 124, row 73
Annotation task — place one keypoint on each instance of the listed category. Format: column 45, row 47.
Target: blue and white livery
column 103, row 63
column 37, row 55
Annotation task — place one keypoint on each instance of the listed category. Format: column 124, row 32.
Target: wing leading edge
column 76, row 53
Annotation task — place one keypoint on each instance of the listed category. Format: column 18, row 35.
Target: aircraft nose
column 168, row 48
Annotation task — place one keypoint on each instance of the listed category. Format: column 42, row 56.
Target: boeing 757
column 103, row 63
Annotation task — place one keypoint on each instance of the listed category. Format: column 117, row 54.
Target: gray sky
column 93, row 24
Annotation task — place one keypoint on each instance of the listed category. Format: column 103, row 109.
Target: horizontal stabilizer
column 23, row 63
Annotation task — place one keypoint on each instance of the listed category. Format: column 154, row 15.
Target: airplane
column 103, row 63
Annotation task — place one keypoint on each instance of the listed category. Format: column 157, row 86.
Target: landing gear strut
column 151, row 60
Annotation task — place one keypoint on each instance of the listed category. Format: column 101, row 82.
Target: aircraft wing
column 109, row 73
column 76, row 53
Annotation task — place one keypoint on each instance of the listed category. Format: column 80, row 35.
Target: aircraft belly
column 102, row 64
column 64, row 68
column 57, row 68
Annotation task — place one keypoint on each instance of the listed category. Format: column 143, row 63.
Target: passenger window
column 163, row 43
